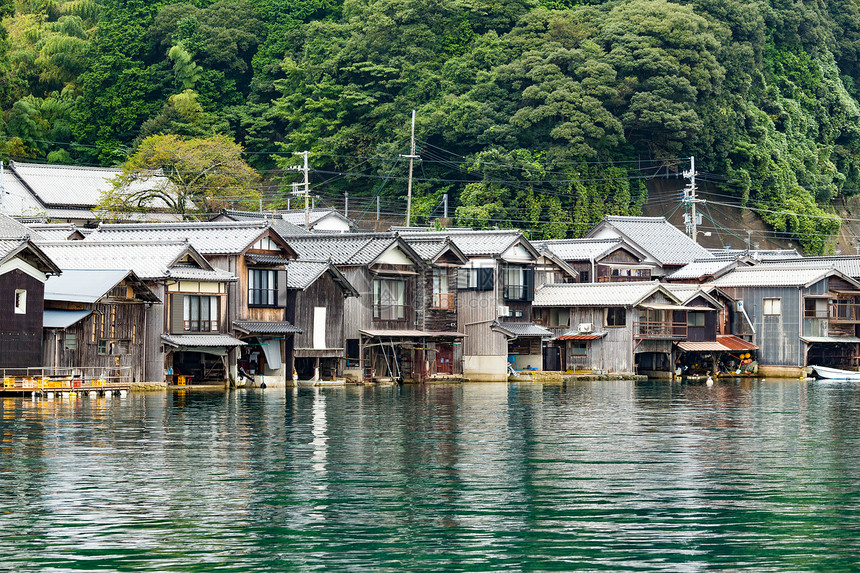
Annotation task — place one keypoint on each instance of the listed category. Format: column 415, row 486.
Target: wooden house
column 186, row 334
column 294, row 221
column 24, row 269
column 621, row 328
column 599, row 260
column 111, row 344
column 799, row 315
column 256, row 304
column 663, row 245
column 318, row 293
column 384, row 326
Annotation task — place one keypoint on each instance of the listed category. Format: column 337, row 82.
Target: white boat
column 836, row 374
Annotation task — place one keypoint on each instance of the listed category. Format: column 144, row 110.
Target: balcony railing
column 515, row 292
column 389, row 311
column 444, row 300
column 622, row 279
column 645, row 329
column 847, row 312
column 201, row 325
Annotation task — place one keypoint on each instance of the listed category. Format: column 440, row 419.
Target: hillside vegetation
column 543, row 115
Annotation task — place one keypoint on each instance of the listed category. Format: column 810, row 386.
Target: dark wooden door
column 444, row 359
column 552, row 358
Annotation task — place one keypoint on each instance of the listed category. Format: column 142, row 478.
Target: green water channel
column 614, row 476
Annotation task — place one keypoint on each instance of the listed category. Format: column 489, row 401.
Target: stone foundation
column 147, row 386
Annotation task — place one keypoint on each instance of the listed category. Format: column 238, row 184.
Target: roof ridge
column 142, row 242
column 185, row 225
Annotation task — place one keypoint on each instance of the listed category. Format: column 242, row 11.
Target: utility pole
column 304, row 154
column 411, row 158
column 2, row 187
column 346, row 204
column 445, row 206
column 377, row 207
column 691, row 201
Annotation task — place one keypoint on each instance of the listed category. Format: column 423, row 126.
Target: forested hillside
column 542, row 115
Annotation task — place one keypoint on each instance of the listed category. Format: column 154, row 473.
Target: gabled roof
column 655, row 236
column 302, row 274
column 758, row 254
column 9, row 227
column 559, row 262
column 847, row 264
column 57, row 231
column 297, row 216
column 224, row 237
column 350, row 249
column 70, row 185
column 431, row 249
column 778, row 276
column 599, row 294
column 586, row 249
column 279, row 224
column 687, row 292
column 149, row 260
column 91, row 285
column 704, row 269
column 480, row 243
column 28, row 251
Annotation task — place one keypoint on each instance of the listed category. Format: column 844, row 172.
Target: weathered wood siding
column 439, row 319
column 324, row 292
column 20, row 334
column 121, row 325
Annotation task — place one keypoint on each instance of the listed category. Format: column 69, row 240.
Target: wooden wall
column 327, row 293
column 20, row 334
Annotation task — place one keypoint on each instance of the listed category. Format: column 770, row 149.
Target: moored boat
column 827, row 373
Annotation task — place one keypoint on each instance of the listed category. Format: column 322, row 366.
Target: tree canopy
column 539, row 114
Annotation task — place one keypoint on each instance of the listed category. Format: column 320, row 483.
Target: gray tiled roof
column 224, row 237
column 429, row 248
column 579, row 249
column 659, row 238
column 302, row 274
column 9, row 246
column 699, row 269
column 279, row 224
column 297, row 216
column 345, row 248
column 68, row 185
column 475, row 243
column 523, row 329
column 846, row 264
column 148, row 259
column 53, row 231
column 595, row 294
column 773, row 275
column 31, row 252
column 264, row 327
column 201, row 340
column 758, row 254
column 9, row 228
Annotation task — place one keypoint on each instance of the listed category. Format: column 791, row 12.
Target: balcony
column 444, row 300
column 515, row 292
column 653, row 330
column 844, row 313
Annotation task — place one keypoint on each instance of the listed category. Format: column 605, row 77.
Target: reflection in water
column 605, row 475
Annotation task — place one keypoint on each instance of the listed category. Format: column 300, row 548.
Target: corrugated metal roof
column 63, row 318
column 771, row 275
column 201, row 340
column 579, row 249
column 409, row 333
column 735, row 343
column 519, row 329
column 830, row 339
column 659, row 238
column 83, row 285
column 596, row 294
column 573, row 335
column 69, row 185
column 702, row 347
column 262, row 327
column 148, row 259
column 223, row 237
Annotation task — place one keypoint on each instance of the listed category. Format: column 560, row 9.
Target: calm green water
column 482, row 477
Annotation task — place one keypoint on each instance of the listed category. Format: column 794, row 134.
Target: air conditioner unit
column 585, row 327
column 504, row 310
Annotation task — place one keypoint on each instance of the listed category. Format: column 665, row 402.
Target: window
column 475, row 278
column 20, row 301
column 113, row 347
column 578, row 349
column 389, row 299
column 70, row 342
column 583, row 276
column 616, row 316
column 695, row 319
column 442, row 297
column 772, row 306
column 519, row 283
column 559, row 317
column 262, row 287
column 200, row 313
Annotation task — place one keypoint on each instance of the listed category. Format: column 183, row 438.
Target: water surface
column 480, row 477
